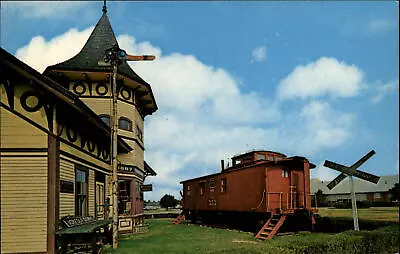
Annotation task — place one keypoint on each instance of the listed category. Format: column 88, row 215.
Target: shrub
column 340, row 224
column 383, row 240
column 347, row 205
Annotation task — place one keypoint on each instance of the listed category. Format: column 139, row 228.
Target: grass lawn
column 372, row 213
column 162, row 237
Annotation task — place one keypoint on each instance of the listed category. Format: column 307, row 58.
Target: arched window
column 105, row 118
column 125, row 124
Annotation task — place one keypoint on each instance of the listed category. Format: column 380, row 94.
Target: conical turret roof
column 101, row 39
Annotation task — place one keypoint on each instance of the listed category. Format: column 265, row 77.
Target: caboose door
column 294, row 190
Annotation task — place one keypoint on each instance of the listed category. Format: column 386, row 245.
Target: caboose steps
column 179, row 219
column 271, row 227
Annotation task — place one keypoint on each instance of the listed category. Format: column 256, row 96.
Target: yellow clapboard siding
column 15, row 132
column 67, row 200
column 23, row 215
column 82, row 155
column 67, row 204
column 31, row 248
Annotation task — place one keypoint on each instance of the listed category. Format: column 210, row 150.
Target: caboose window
column 202, row 186
column 223, row 185
column 211, row 184
column 260, row 156
column 285, row 172
column 188, row 190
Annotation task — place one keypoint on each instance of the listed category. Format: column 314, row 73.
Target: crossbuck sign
column 352, row 171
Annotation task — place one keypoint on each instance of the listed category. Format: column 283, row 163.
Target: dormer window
column 105, row 118
column 125, row 124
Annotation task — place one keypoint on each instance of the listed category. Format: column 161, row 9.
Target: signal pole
column 116, row 56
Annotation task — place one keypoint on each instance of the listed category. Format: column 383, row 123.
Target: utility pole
column 116, row 56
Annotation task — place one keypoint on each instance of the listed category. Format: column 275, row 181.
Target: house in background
column 365, row 191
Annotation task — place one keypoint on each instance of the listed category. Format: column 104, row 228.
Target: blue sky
column 315, row 79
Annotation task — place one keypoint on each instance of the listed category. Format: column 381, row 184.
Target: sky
column 312, row 79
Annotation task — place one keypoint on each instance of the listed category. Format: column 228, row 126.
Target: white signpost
column 352, row 171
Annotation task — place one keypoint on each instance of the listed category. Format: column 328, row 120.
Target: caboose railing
column 286, row 200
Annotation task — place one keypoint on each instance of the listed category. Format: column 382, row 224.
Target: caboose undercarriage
column 293, row 220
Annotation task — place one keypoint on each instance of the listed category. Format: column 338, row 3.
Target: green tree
column 168, row 201
column 395, row 192
column 321, row 198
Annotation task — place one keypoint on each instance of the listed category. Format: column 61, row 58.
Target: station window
column 106, row 119
column 211, row 184
column 202, row 186
column 139, row 133
column 125, row 124
column 81, row 200
column 285, row 172
column 377, row 195
column 188, row 190
column 223, row 185
column 124, row 197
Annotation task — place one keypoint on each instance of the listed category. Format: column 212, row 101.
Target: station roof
column 149, row 170
column 63, row 95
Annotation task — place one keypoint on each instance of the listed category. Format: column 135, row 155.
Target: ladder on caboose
column 271, row 227
column 179, row 219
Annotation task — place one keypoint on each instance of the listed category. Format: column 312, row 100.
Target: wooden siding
column 244, row 191
column 23, row 204
column 98, row 105
column 92, row 189
column 135, row 157
column 78, row 153
column 103, row 106
column 17, row 133
column 67, row 200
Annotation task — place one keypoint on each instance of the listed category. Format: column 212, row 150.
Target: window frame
column 122, row 118
column 139, row 132
column 224, row 185
column 259, row 155
column 78, row 211
column 212, row 184
column 202, row 188
column 285, row 173
column 108, row 117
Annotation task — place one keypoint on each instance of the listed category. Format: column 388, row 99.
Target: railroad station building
column 55, row 143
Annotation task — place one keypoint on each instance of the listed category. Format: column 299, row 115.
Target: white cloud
column 380, row 26
column 40, row 53
column 42, row 9
column 203, row 115
column 385, row 89
column 324, row 173
column 327, row 127
column 326, row 76
column 259, row 54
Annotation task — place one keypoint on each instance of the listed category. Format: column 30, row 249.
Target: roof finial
column 105, row 7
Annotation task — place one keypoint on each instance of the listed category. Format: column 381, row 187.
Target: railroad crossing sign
column 352, row 171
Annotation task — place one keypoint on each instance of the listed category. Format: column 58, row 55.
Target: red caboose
column 260, row 186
